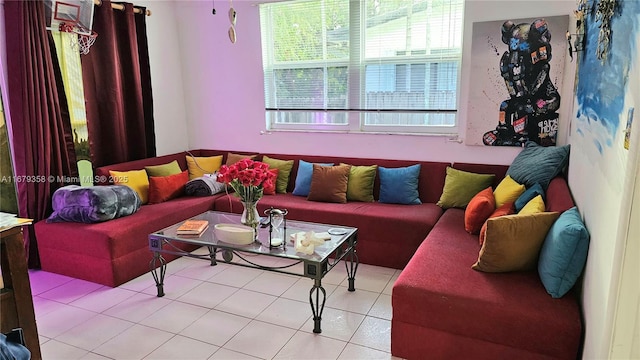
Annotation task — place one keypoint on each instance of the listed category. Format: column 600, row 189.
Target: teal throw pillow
column 399, row 185
column 564, row 253
column 303, row 178
column 528, row 195
column 538, row 164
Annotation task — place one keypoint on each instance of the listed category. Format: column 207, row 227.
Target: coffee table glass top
column 208, row 238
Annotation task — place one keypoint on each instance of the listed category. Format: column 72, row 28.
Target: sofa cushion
column 163, row 188
column 535, row 205
column 538, row 164
column 434, row 292
column 400, row 185
column 461, row 186
column 135, row 179
column 167, row 169
column 303, row 177
column 507, row 191
column 513, row 242
column 361, row 181
column 478, row 211
column 329, row 183
column 528, row 195
column 388, row 234
column 200, row 165
column 284, row 170
column 93, row 204
column 563, row 253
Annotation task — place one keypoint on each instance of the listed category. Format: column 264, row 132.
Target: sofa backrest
column 499, row 171
column 102, row 173
column 430, row 182
column 430, row 185
column 558, row 196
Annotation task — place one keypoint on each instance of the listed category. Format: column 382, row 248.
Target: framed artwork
column 516, row 77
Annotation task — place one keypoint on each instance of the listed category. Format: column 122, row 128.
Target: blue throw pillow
column 399, row 185
column 563, row 253
column 303, row 178
column 538, row 164
column 528, row 195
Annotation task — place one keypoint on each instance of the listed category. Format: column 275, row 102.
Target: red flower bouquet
column 248, row 179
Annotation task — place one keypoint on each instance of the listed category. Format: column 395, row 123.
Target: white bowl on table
column 234, row 233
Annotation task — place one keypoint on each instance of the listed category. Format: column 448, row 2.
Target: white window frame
column 355, row 113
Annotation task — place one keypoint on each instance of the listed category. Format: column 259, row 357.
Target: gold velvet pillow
column 513, row 242
column 329, row 183
column 234, row 158
column 198, row 166
column 360, row 186
column 284, row 170
column 135, row 179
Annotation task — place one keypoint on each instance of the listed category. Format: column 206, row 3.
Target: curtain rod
column 121, row 7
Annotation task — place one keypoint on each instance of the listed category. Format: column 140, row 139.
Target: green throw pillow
column 171, row 168
column 461, row 186
column 284, row 170
column 360, row 186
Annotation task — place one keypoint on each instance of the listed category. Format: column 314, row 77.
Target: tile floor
column 214, row 312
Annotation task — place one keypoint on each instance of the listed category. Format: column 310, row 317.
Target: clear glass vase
column 250, row 216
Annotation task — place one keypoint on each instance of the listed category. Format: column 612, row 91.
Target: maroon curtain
column 117, row 87
column 41, row 130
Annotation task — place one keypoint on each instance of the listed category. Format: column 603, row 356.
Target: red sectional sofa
column 441, row 307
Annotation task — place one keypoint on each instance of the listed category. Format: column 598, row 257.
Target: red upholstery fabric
column 388, row 234
column 444, row 308
column 110, row 253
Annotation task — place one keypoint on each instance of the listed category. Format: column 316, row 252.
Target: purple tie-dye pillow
column 93, row 204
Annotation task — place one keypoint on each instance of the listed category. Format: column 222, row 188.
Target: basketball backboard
column 78, row 13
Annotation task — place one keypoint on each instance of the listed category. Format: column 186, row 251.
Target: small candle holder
column 277, row 228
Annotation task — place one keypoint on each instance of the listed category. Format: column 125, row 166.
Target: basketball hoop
column 83, row 40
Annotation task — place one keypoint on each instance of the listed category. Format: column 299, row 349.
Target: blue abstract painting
column 601, row 85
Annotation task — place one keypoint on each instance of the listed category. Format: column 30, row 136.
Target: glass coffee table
column 341, row 246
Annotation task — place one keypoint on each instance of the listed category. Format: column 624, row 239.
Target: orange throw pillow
column 163, row 188
column 505, row 209
column 481, row 206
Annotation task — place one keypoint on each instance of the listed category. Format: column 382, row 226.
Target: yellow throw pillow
column 535, row 205
column 135, row 179
column 198, row 166
column 507, row 191
column 513, row 242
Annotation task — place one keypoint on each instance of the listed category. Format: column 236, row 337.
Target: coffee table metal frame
column 316, row 265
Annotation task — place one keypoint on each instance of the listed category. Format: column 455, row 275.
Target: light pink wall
column 223, row 86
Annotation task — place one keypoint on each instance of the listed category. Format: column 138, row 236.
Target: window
column 368, row 65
